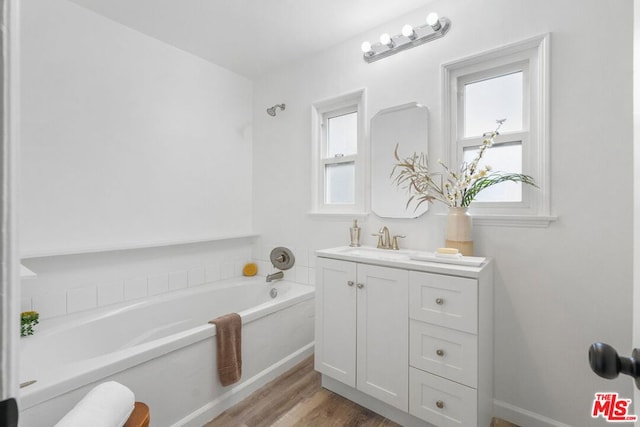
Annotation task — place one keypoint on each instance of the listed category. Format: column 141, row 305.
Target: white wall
column 557, row 289
column 126, row 140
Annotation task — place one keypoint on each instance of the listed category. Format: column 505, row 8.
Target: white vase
column 459, row 231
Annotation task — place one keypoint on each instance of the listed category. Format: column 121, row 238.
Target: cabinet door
column 383, row 329
column 335, row 348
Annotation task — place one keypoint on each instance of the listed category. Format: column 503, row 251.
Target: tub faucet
column 276, row 275
column 384, row 242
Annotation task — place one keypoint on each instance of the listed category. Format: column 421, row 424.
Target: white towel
column 106, row 405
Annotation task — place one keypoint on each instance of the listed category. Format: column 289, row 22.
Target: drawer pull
column 439, row 301
column 440, row 404
column 360, row 285
column 350, row 283
column 440, row 352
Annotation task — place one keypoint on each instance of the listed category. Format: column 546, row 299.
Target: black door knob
column 606, row 362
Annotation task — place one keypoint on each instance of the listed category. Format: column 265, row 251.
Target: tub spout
column 274, row 276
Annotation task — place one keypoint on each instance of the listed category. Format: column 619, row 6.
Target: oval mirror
column 406, row 125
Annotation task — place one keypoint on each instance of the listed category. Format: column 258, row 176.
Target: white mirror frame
column 408, row 126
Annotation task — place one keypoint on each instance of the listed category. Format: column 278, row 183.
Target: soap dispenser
column 355, row 234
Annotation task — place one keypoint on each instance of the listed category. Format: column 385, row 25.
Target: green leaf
column 493, row 179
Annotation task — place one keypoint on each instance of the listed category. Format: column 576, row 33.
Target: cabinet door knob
column 439, row 301
column 350, row 283
column 360, row 285
column 440, row 404
column 440, row 352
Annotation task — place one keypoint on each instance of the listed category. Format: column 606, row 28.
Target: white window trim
column 318, row 110
column 537, row 212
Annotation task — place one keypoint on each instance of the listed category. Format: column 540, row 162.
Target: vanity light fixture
column 435, row 28
column 408, row 32
column 433, row 21
column 385, row 39
column 366, row 48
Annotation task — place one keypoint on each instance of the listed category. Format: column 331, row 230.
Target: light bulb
column 385, row 39
column 407, row 31
column 366, row 47
column 432, row 20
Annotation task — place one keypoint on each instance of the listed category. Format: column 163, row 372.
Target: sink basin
column 375, row 253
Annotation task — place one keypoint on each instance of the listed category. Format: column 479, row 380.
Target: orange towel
column 229, row 347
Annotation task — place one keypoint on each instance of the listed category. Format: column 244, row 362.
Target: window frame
column 532, row 58
column 322, row 111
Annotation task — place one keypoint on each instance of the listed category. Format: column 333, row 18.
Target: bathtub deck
column 297, row 399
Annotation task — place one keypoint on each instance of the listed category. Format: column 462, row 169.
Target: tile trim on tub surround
column 83, row 298
column 97, row 294
column 89, row 293
column 138, row 245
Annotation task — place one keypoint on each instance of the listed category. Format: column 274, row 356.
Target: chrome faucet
column 274, row 276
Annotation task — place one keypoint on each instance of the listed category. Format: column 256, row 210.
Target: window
column 338, row 169
column 488, row 96
column 339, row 156
column 507, row 83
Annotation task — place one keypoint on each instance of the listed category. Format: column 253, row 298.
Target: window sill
column 529, row 221
column 525, row 221
column 338, row 216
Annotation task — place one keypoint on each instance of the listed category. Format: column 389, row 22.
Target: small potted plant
column 28, row 320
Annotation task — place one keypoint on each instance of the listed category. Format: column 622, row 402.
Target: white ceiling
column 251, row 37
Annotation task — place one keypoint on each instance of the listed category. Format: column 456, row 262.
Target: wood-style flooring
column 297, row 399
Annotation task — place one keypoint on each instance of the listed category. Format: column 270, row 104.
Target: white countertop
column 400, row 259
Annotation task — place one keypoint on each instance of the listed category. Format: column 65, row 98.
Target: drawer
column 445, row 352
column 441, row 402
column 446, row 301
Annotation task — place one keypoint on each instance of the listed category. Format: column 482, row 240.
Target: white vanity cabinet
column 362, row 328
column 410, row 340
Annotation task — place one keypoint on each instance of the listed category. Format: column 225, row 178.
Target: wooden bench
column 139, row 417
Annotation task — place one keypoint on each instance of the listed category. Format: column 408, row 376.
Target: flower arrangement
column 28, row 319
column 453, row 188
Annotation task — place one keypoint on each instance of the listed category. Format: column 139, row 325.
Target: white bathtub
column 164, row 350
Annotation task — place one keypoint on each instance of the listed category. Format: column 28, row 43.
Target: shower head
column 272, row 110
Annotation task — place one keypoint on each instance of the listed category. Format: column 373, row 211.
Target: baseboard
column 522, row 417
column 206, row 413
